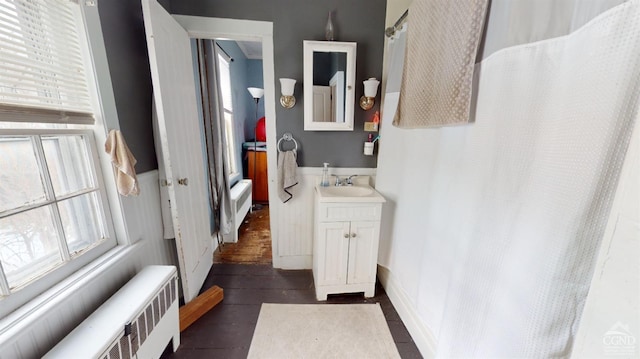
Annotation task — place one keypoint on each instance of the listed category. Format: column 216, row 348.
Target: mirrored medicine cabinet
column 329, row 79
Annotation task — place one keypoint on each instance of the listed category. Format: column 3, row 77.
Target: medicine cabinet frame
column 349, row 48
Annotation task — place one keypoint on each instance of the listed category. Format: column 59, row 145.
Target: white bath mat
column 322, row 331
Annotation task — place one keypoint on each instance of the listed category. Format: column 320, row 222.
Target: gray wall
column 126, row 47
column 361, row 21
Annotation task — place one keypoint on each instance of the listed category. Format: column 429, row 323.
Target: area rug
column 322, row 331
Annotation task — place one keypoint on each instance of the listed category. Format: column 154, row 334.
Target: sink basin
column 347, row 191
column 346, row 194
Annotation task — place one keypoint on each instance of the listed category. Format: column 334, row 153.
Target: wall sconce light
column 287, row 100
column 370, row 91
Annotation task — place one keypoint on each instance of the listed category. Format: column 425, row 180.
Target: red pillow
column 261, row 131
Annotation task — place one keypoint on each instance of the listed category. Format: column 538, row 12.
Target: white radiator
column 240, row 204
column 136, row 322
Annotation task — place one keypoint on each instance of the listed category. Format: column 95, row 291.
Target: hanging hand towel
column 287, row 168
column 443, row 38
column 124, row 163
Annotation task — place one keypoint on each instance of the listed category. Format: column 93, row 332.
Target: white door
column 333, row 251
column 363, row 252
column 337, row 96
column 321, row 104
column 179, row 127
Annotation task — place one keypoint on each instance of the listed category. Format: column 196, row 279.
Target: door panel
column 321, row 103
column 179, row 128
column 363, row 252
column 332, row 252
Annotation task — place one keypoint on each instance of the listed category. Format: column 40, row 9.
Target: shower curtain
column 554, row 119
column 513, row 207
column 215, row 140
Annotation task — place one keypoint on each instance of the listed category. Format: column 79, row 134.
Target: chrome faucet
column 345, row 181
column 338, row 180
column 348, row 180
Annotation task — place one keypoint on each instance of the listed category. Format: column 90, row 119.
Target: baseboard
column 293, row 262
column 421, row 335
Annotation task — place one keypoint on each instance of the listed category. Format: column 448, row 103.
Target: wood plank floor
column 254, row 241
column 226, row 330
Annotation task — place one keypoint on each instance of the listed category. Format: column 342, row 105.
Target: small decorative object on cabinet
column 346, row 237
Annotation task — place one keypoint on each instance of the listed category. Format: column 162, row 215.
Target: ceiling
column 251, row 49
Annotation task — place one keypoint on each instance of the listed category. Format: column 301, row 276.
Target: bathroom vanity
column 346, row 237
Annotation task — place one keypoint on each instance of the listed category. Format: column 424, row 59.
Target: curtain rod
column 392, row 29
column 221, row 49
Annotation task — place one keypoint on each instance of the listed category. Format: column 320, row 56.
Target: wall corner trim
column 420, row 333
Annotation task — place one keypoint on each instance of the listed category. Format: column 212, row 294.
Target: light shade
column 286, row 86
column 371, row 87
column 256, row 92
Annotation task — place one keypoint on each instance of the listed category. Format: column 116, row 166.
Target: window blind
column 42, row 69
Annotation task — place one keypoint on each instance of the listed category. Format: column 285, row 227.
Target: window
column 227, row 104
column 54, row 216
column 50, row 204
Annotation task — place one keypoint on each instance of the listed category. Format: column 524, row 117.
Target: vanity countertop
column 360, row 193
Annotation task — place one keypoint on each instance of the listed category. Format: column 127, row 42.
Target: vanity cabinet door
column 363, row 252
column 332, row 253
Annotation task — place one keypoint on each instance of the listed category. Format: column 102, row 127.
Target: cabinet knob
column 346, row 235
column 183, row 181
column 353, row 235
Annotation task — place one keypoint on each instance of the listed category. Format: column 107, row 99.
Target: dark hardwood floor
column 226, row 330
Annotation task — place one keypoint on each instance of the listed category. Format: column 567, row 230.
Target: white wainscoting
column 421, row 335
column 293, row 239
column 144, row 220
column 32, row 330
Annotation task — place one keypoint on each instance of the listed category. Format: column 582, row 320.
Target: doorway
column 239, row 85
column 171, row 63
column 251, row 35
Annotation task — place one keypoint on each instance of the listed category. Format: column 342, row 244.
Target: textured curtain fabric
column 530, row 190
column 215, row 139
column 521, row 22
column 442, row 44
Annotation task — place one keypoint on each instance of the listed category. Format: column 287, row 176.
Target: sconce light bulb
column 287, row 100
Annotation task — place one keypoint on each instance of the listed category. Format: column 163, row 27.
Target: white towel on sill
column 287, row 169
column 123, row 162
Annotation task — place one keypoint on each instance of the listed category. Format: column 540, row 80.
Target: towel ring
column 288, row 137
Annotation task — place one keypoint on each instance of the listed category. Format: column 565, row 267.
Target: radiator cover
column 136, row 322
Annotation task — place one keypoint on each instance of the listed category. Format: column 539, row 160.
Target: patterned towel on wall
column 443, row 40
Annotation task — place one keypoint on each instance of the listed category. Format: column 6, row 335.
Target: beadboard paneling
column 293, row 240
column 144, row 220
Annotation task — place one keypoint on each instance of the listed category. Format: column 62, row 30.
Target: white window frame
column 229, row 124
column 105, row 114
column 69, row 265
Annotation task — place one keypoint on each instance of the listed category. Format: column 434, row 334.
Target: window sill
column 32, row 311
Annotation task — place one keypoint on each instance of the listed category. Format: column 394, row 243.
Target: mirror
column 329, row 77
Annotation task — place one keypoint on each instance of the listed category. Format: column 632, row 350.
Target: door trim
column 250, row 30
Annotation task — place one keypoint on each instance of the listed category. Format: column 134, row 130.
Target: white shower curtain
column 492, row 229
column 553, row 122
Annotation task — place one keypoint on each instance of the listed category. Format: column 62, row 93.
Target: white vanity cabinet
column 345, row 247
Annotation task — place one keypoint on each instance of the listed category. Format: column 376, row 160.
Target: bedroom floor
column 226, row 330
column 254, row 241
